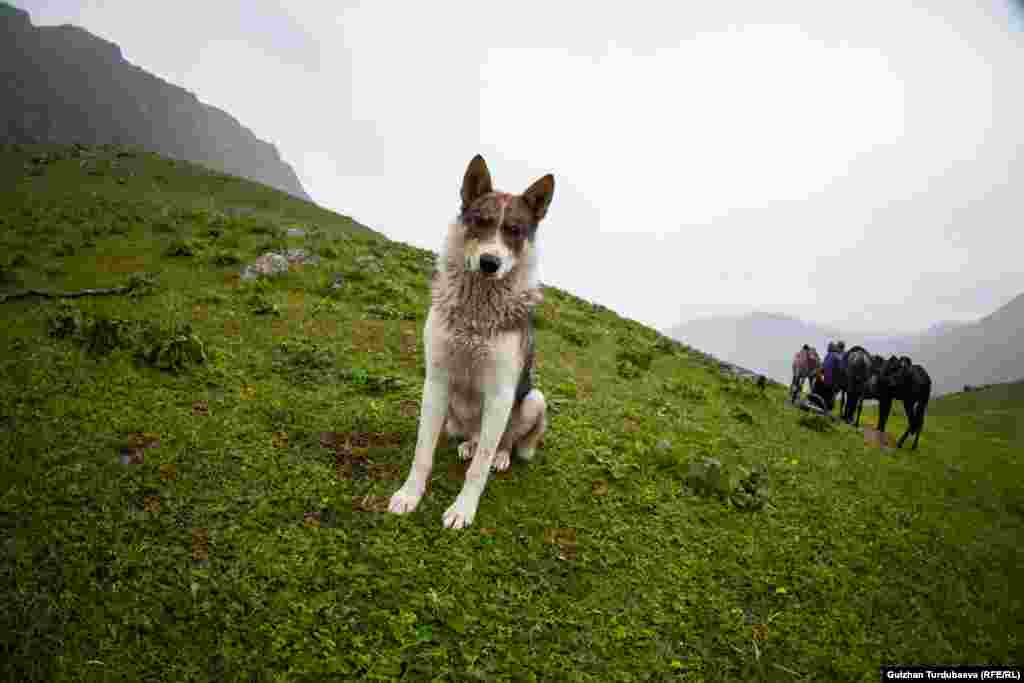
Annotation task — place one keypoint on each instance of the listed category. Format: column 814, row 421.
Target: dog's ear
column 477, row 181
column 538, row 197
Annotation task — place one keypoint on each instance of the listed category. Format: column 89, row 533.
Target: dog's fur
column 478, row 341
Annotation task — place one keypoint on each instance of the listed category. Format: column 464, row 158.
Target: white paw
column 404, row 501
column 466, row 449
column 501, row 461
column 461, row 513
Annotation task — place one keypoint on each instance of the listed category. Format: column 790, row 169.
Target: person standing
column 829, row 370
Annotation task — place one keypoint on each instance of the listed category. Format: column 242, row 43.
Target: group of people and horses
column 855, row 376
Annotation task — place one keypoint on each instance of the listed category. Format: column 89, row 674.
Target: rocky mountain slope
column 62, row 84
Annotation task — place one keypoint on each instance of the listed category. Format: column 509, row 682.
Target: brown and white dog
column 478, row 341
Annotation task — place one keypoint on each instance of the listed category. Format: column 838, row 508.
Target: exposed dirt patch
column 120, row 264
column 369, row 335
column 877, row 439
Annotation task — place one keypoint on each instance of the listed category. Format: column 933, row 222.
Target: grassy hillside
column 192, row 475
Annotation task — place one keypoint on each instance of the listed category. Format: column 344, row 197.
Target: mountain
column 62, row 84
column 766, row 342
column 987, row 351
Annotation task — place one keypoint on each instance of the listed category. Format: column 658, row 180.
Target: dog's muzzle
column 489, row 264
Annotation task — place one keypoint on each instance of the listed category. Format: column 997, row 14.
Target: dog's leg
column 497, row 409
column 525, row 427
column 466, row 449
column 432, row 413
column 533, row 423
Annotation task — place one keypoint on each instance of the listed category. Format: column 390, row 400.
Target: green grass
column 676, row 524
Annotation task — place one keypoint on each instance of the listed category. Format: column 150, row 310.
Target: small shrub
column 142, row 284
column 65, row 322
column 709, row 477
column 627, row 369
column 259, row 304
column 742, row 415
column 102, row 335
column 373, row 384
column 173, row 348
column 184, row 247
column 389, row 312
column 685, row 390
column 752, row 491
column 65, row 248
column 226, row 258
column 817, row 423
column 573, row 335
column 636, row 353
column 301, row 361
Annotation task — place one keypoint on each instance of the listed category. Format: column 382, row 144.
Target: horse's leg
column 908, row 408
column 884, row 406
column 860, row 407
column 852, row 398
column 920, row 422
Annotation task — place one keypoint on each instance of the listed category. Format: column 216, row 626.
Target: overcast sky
column 855, row 164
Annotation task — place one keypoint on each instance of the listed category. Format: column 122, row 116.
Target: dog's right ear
column 477, row 181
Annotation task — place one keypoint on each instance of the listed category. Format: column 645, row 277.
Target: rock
column 270, row 265
column 302, row 256
column 296, row 232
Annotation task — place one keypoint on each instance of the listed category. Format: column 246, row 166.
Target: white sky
column 855, row 164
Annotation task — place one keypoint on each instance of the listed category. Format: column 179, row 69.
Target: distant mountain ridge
column 988, row 351
column 62, row 84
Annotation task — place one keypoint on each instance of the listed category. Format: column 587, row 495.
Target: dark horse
column 901, row 379
column 854, row 381
column 871, row 388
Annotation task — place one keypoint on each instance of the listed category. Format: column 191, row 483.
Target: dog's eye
column 514, row 230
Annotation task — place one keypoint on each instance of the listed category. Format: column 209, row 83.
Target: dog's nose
column 489, row 263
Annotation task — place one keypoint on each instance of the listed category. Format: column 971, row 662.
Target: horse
column 856, row 371
column 805, row 365
column 872, row 391
column 904, row 380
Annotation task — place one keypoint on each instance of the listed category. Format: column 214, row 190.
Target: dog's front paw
column 404, row 501
column 502, row 459
column 461, row 513
column 466, row 449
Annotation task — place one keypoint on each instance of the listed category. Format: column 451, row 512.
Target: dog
column 479, row 342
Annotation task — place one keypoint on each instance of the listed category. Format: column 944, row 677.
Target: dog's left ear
column 538, row 197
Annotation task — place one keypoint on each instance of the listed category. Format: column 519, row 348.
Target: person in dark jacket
column 829, row 369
